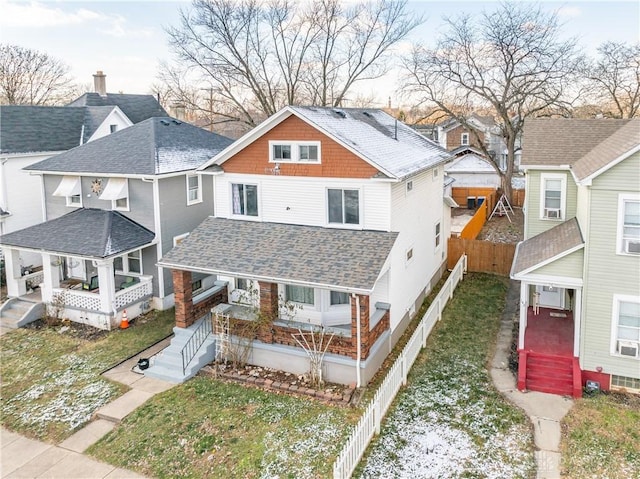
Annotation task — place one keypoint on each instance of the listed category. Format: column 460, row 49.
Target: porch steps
column 167, row 365
column 550, row 374
column 17, row 312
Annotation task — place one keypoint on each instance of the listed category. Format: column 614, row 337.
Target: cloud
column 37, row 14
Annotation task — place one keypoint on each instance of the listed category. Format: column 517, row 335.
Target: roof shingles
column 339, row 258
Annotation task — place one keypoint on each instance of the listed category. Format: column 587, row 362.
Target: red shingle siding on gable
column 336, row 161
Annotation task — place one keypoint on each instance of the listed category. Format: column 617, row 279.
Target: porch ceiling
column 344, row 259
column 546, row 247
column 83, row 232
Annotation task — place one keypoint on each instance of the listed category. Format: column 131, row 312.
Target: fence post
column 377, row 413
column 404, row 369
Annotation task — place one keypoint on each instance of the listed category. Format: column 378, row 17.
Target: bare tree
column 30, row 77
column 256, row 57
column 614, row 78
column 512, row 60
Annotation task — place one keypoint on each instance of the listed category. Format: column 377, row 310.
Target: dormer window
column 294, row 151
column 71, row 188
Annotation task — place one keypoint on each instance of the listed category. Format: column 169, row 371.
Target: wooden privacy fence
column 369, row 423
column 474, row 226
column 482, row 256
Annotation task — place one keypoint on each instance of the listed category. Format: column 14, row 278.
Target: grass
column 210, row 428
column 51, row 383
column 450, row 421
column 601, row 437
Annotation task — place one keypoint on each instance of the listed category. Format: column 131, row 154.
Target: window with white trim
column 338, row 298
column 628, row 237
column 553, row 196
column 343, row 206
column 244, row 199
column 71, row 188
column 437, row 235
column 464, row 139
column 299, row 294
column 294, row 151
column 113, row 128
column 194, row 189
column 626, row 326
column 129, row 263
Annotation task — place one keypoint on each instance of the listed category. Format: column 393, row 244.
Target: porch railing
column 134, row 293
column 369, row 424
column 32, row 280
column 195, row 341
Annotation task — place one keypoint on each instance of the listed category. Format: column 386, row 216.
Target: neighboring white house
column 470, row 169
column 339, row 212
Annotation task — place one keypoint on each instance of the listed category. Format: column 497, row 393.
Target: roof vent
column 366, row 113
column 177, row 122
column 340, row 113
column 165, row 122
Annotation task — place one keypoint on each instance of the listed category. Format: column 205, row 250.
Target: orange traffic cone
column 124, row 323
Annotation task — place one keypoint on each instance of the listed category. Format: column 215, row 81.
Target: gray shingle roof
column 563, row 141
column 348, row 259
column 137, row 107
column 151, row 147
column 547, row 245
column 25, row 129
column 389, row 144
column 84, row 232
column 620, row 142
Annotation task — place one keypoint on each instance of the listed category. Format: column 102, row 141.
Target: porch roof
column 84, row 232
column 339, row 259
column 547, row 246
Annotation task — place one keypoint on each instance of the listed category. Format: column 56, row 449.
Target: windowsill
column 295, row 162
column 343, row 332
column 551, row 219
column 195, row 202
column 244, row 217
column 631, row 255
column 617, row 355
column 345, row 226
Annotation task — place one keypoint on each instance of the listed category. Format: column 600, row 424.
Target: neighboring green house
column 579, row 265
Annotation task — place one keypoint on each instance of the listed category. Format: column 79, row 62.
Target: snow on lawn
column 67, row 396
column 450, row 423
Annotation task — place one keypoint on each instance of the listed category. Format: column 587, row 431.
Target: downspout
column 358, row 347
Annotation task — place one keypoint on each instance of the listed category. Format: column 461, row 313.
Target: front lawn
column 51, row 383
column 210, row 428
column 450, row 421
column 601, row 438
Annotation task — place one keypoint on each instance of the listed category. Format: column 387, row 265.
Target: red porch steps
column 549, row 374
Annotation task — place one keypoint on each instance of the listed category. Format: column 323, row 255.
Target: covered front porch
column 83, row 279
column 549, row 268
column 291, row 278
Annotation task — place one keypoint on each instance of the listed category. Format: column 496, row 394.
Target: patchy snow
column 297, row 460
column 447, row 425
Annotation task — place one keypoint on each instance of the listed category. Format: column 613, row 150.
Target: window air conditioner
column 552, row 213
column 632, row 246
column 628, row 348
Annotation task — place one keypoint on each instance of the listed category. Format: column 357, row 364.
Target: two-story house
column 579, row 265
column 29, row 134
column 324, row 218
column 112, row 208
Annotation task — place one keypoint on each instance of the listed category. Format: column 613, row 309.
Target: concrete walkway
column 545, row 410
column 25, row 458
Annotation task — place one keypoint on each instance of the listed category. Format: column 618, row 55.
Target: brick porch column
column 183, row 298
column 268, row 299
column 364, row 326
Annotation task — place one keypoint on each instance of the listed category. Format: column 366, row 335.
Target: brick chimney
column 100, row 83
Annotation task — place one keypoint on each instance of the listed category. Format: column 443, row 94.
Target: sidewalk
column 544, row 410
column 26, row 458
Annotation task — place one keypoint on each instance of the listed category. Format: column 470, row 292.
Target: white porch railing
column 90, row 301
column 32, row 279
column 369, row 423
column 134, row 293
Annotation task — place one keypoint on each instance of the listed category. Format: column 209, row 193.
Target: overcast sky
column 126, row 39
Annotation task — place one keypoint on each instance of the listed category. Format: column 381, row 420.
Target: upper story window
column 628, row 237
column 117, row 191
column 464, row 139
column 338, row 298
column 194, row 189
column 553, row 196
column 244, row 199
column 129, row 263
column 71, row 188
column 437, row 235
column 113, row 128
column 626, row 326
column 294, row 151
column 343, row 206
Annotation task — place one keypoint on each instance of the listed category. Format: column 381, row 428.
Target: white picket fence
column 369, row 423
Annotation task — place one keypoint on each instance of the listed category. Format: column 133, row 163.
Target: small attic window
column 113, row 128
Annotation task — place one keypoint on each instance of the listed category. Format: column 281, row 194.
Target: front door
column 550, row 296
